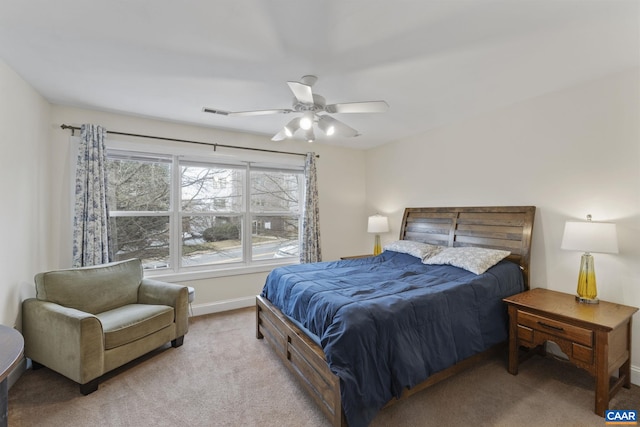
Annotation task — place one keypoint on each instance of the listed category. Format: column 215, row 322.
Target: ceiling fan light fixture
column 306, row 122
column 325, row 125
column 279, row 136
column 309, row 135
column 292, row 127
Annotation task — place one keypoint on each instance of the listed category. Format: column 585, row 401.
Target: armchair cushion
column 92, row 289
column 131, row 322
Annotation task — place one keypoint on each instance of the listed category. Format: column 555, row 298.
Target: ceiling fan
column 315, row 111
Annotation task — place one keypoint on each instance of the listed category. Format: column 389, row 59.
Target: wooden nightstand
column 356, row 256
column 595, row 337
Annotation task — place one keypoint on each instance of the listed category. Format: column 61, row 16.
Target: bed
column 338, row 338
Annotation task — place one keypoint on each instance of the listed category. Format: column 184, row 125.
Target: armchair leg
column 177, row 342
column 89, row 387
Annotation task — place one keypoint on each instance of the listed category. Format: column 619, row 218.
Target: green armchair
column 85, row 322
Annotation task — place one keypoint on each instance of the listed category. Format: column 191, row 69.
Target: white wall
column 341, row 190
column 570, row 153
column 24, row 144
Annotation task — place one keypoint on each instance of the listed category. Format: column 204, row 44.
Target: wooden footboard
column 306, row 360
column 303, row 357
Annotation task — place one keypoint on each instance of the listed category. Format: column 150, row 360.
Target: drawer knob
column 546, row 325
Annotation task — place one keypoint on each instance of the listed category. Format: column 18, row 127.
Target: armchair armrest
column 163, row 293
column 64, row 339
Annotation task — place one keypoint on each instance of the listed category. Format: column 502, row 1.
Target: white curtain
column 91, row 219
column 311, row 221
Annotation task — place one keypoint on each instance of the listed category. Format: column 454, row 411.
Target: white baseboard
column 219, row 306
column 635, row 375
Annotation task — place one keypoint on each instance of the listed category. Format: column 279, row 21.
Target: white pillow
column 475, row 260
column 417, row 249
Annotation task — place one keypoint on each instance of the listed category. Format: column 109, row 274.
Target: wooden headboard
column 496, row 227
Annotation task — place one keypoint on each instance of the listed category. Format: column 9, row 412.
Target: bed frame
column 501, row 227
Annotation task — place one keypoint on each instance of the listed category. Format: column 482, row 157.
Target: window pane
column 144, row 237
column 211, row 240
column 275, row 191
column 211, row 189
column 138, row 184
column 274, row 237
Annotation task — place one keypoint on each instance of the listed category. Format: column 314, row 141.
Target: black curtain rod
column 214, row 145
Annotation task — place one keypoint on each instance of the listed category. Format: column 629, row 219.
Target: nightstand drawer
column 582, row 353
column 557, row 328
column 525, row 334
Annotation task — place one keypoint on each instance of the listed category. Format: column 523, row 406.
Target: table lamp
column 589, row 237
column 377, row 224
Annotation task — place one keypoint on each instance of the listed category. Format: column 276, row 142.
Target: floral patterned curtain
column 91, row 220
column 311, row 220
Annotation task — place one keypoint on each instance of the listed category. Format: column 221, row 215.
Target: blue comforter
column 389, row 322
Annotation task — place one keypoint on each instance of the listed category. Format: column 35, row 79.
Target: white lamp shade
column 588, row 236
column 378, row 224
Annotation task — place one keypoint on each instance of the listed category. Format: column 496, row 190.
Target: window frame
column 176, row 214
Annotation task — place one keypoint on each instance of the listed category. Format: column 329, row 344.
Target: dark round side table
column 11, row 351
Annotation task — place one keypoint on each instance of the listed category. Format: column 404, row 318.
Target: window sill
column 171, row 276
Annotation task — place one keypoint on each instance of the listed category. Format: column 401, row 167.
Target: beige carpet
column 224, row 376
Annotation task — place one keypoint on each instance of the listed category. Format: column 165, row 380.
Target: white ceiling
column 434, row 62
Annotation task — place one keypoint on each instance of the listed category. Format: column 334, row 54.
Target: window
column 275, row 212
column 139, row 201
column 180, row 215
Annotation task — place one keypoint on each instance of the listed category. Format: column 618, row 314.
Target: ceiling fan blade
column 302, row 92
column 358, row 107
column 331, row 126
column 246, row 113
